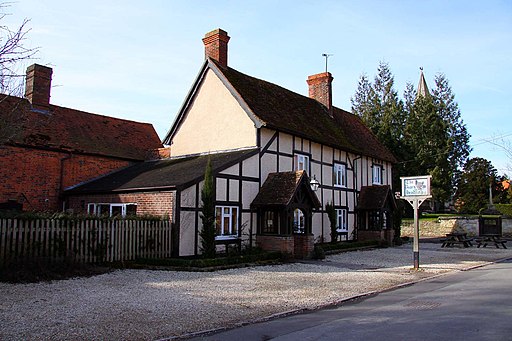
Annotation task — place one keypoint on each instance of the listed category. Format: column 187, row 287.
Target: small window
column 226, row 221
column 340, row 175
column 270, row 223
column 112, row 210
column 341, row 220
column 131, row 210
column 91, row 209
column 117, row 210
column 377, row 174
column 374, row 222
column 103, row 210
column 301, row 162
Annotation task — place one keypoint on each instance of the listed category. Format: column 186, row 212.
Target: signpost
column 415, row 190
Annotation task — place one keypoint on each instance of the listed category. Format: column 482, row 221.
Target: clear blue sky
column 138, row 59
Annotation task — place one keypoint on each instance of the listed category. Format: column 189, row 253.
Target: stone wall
column 439, row 228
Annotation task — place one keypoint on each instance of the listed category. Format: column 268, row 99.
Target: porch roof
column 280, row 188
column 375, row 198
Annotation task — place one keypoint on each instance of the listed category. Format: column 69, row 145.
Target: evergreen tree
column 382, row 111
column 331, row 214
column 208, row 214
column 457, row 133
column 424, row 131
column 363, row 103
column 473, row 188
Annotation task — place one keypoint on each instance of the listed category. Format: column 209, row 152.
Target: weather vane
column 326, row 55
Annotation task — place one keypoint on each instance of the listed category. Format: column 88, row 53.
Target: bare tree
column 13, row 54
column 503, row 142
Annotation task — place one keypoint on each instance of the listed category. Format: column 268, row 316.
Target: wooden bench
column 465, row 242
column 491, row 240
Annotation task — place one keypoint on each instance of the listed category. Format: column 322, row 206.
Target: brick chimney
column 216, row 46
column 320, row 89
column 38, row 82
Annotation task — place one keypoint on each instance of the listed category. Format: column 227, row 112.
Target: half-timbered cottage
column 268, row 145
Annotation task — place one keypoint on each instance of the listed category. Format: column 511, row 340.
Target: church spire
column 422, row 86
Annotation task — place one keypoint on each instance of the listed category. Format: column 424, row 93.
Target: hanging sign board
column 416, row 186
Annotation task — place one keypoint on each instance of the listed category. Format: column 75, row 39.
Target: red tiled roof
column 287, row 111
column 76, row 131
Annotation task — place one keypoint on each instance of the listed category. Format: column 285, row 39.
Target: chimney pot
column 216, row 46
column 38, row 83
column 320, row 89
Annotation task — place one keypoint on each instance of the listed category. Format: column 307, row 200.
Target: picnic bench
column 453, row 239
column 495, row 239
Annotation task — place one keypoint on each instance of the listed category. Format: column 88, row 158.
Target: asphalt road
column 468, row 305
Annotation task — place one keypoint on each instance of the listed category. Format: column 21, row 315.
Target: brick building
column 45, row 148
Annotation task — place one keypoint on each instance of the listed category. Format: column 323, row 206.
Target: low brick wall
column 276, row 243
column 304, row 245
column 439, row 228
column 299, row 246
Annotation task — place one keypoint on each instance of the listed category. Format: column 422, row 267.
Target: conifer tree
column 208, row 214
column 425, row 133
column 331, row 214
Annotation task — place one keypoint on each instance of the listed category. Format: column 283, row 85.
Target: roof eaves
column 73, row 187
column 184, row 106
column 218, row 169
column 258, row 123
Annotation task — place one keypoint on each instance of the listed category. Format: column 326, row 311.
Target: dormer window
column 301, row 162
column 377, row 174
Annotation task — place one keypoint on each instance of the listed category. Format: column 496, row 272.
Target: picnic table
column 491, row 239
column 453, row 239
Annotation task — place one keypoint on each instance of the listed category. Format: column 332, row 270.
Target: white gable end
column 214, row 120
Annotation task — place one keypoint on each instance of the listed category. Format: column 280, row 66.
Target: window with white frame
column 226, row 221
column 377, row 174
column 301, row 162
column 299, row 221
column 112, row 209
column 340, row 175
column 341, row 220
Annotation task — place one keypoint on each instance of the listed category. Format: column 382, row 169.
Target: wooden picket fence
column 83, row 241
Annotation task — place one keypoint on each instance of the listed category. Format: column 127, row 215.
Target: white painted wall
column 214, row 121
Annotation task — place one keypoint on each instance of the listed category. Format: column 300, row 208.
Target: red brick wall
column 299, row 246
column 153, row 203
column 381, row 235
column 33, row 177
column 276, row 243
column 304, row 245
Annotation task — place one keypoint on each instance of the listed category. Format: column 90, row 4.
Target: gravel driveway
column 150, row 305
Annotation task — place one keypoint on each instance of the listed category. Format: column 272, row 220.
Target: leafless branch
column 13, row 53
